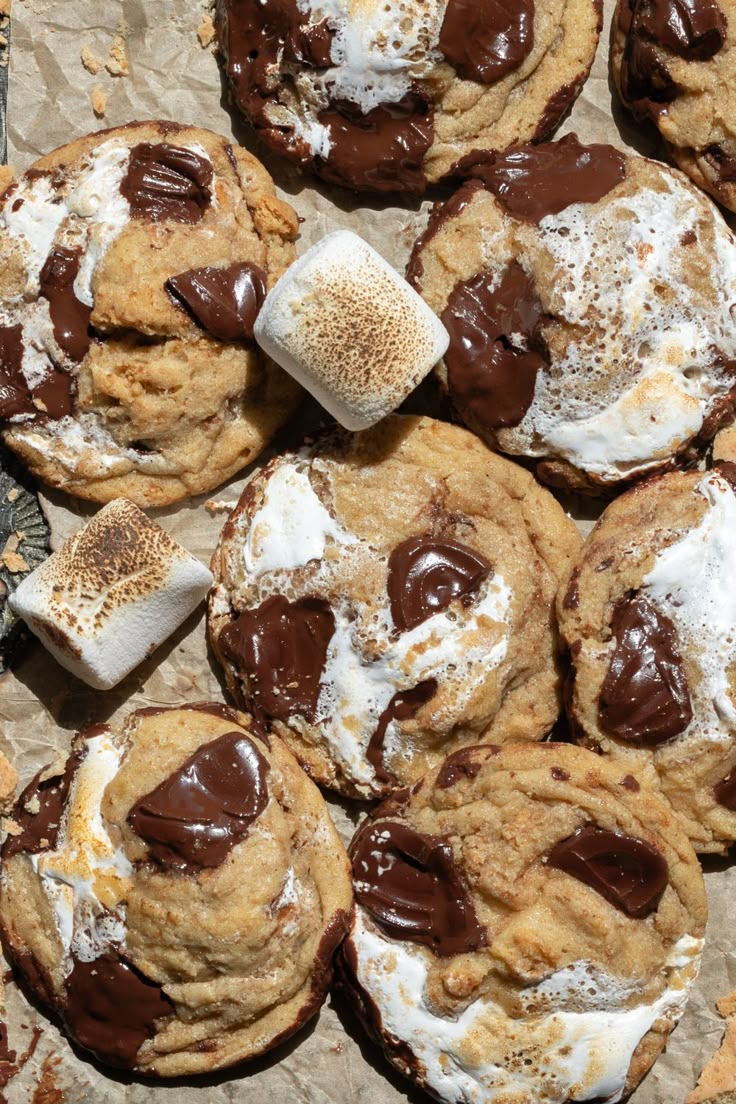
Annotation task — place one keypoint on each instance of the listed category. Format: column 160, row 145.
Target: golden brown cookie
column 588, row 297
column 175, row 896
column 384, row 598
column 134, row 263
column 649, row 615
column 673, row 64
column 528, row 924
column 392, row 96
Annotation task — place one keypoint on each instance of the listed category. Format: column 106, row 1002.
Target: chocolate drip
column 490, row 372
column 466, row 763
column 39, row 831
column 426, row 575
column 534, row 181
column 412, row 888
column 223, row 301
column 644, row 697
column 382, row 150
column 281, row 647
column 485, row 39
column 167, row 182
column 111, row 1008
column 53, row 396
column 194, row 818
column 628, row 872
column 403, row 705
column 725, row 791
column 69, row 316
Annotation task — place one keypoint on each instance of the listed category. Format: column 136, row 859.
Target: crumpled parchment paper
column 170, row 74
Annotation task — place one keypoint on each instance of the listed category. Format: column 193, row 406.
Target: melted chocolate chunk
column 281, row 647
column 382, row 150
column 560, row 774
column 630, row 783
column 491, row 373
column 69, row 316
column 644, row 697
column 39, row 831
column 194, row 818
column 167, row 182
column 111, row 1008
column 15, row 395
column 534, row 181
column 722, row 162
column 223, row 301
column 465, row 763
column 410, row 885
column 485, row 39
column 726, row 469
column 628, row 872
column 725, row 791
column 426, row 575
column 402, row 707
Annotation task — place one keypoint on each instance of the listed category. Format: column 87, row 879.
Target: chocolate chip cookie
column 588, row 295
column 384, row 598
column 649, row 615
column 528, row 923
column 392, row 96
column 134, row 263
column 673, row 64
column 175, row 892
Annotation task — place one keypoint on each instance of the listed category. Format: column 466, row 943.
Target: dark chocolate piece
column 425, row 575
column 39, row 831
column 560, row 774
column 534, row 181
column 465, row 763
column 53, row 396
column 223, row 301
column 194, row 818
column 491, row 376
column 167, row 182
column 644, row 697
column 111, row 1008
column 281, row 648
column 628, row 872
column 485, row 39
column 725, row 791
column 412, row 888
column 69, row 316
column 403, row 705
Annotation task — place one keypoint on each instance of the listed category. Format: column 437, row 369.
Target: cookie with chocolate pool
column 528, row 922
column 390, row 97
column 175, row 893
column 384, row 598
column 673, row 64
column 649, row 617
column 588, row 295
column 134, row 263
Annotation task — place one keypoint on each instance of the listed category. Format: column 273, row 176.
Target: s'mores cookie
column 384, row 598
column 134, row 263
column 175, row 896
column 588, row 295
column 528, row 925
column 649, row 615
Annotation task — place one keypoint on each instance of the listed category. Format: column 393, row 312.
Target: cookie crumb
column 10, row 827
column 8, row 782
column 206, row 31
column 10, row 555
column 90, row 62
column 117, row 59
column 98, row 99
column 717, row 1082
column 33, row 805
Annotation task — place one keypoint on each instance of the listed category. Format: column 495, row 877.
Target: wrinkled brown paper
column 170, row 75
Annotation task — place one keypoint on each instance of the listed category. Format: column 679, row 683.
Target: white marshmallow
column 115, row 591
column 350, row 329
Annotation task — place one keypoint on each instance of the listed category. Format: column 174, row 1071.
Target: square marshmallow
column 350, row 329
column 115, row 591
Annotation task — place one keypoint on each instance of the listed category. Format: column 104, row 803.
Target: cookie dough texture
column 568, row 996
column 225, row 948
column 679, row 74
column 648, row 616
column 149, row 405
column 392, row 96
column 385, row 598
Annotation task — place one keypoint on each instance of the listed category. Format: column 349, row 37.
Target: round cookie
column 673, row 65
column 588, row 296
column 175, row 892
column 384, row 598
column 135, row 261
column 393, row 96
column 528, row 923
column 649, row 616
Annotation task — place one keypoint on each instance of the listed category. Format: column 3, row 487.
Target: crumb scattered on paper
column 98, row 99
column 117, row 59
column 717, row 1082
column 206, row 31
column 90, row 61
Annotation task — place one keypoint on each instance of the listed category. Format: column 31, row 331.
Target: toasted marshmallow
column 115, row 591
column 350, row 329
